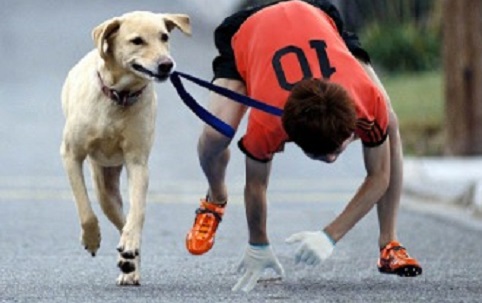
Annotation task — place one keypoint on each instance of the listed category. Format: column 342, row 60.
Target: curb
column 453, row 181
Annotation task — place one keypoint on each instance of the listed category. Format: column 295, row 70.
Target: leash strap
column 205, row 115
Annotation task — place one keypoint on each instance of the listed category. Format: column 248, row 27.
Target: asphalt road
column 42, row 260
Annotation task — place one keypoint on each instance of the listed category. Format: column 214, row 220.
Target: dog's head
column 139, row 42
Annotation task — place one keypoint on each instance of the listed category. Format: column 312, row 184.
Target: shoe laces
column 205, row 218
column 398, row 252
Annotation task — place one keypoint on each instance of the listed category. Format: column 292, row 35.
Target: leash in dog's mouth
column 157, row 77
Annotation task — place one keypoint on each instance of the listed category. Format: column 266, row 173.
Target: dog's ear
column 180, row 21
column 102, row 32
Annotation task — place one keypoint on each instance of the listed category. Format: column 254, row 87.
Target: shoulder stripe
column 372, row 130
column 364, row 124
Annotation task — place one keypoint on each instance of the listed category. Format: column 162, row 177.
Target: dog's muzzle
column 164, row 69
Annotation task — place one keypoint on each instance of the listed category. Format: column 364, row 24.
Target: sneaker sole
column 406, row 271
column 198, row 252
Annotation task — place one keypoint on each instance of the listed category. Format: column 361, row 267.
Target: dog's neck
column 123, row 98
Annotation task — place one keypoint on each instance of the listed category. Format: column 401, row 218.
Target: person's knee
column 211, row 141
column 254, row 188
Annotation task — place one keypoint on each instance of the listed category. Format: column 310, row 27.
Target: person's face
column 331, row 157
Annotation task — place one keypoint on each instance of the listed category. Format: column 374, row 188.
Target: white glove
column 315, row 246
column 254, row 262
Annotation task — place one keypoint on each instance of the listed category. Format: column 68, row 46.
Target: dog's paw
column 132, row 279
column 90, row 236
column 129, row 245
column 126, row 266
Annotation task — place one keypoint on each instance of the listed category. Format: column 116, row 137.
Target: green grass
column 419, row 103
column 416, row 97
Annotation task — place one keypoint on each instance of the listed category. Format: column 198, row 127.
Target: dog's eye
column 164, row 37
column 137, row 41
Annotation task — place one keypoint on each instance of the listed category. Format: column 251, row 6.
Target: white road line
column 9, row 195
column 186, row 191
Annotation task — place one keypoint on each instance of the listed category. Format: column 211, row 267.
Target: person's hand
column 254, row 262
column 314, row 247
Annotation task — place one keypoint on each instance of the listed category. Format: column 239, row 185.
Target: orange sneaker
column 200, row 238
column 394, row 259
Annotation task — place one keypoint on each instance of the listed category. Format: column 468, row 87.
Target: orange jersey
column 284, row 43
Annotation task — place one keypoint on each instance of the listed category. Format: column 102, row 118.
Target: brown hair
column 318, row 116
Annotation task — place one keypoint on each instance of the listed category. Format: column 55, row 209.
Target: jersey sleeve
column 260, row 143
column 373, row 129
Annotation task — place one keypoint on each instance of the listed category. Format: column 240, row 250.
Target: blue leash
column 205, row 115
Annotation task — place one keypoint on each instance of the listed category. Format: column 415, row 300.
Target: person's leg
column 213, row 146
column 213, row 152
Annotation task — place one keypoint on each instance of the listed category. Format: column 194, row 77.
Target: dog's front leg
column 130, row 241
column 90, row 235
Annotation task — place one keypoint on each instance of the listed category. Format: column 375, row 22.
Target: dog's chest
column 106, row 141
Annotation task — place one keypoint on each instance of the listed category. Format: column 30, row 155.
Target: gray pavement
column 42, row 260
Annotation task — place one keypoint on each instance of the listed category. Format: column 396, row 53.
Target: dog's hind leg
column 90, row 236
column 106, row 182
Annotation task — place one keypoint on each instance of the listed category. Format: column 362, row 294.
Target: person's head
column 320, row 118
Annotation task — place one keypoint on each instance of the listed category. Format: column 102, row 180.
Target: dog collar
column 123, row 98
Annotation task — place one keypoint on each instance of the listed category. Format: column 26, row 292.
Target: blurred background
column 434, row 84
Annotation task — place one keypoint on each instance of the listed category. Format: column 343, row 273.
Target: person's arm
column 375, row 184
column 259, row 255
column 315, row 246
column 389, row 203
column 257, row 176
